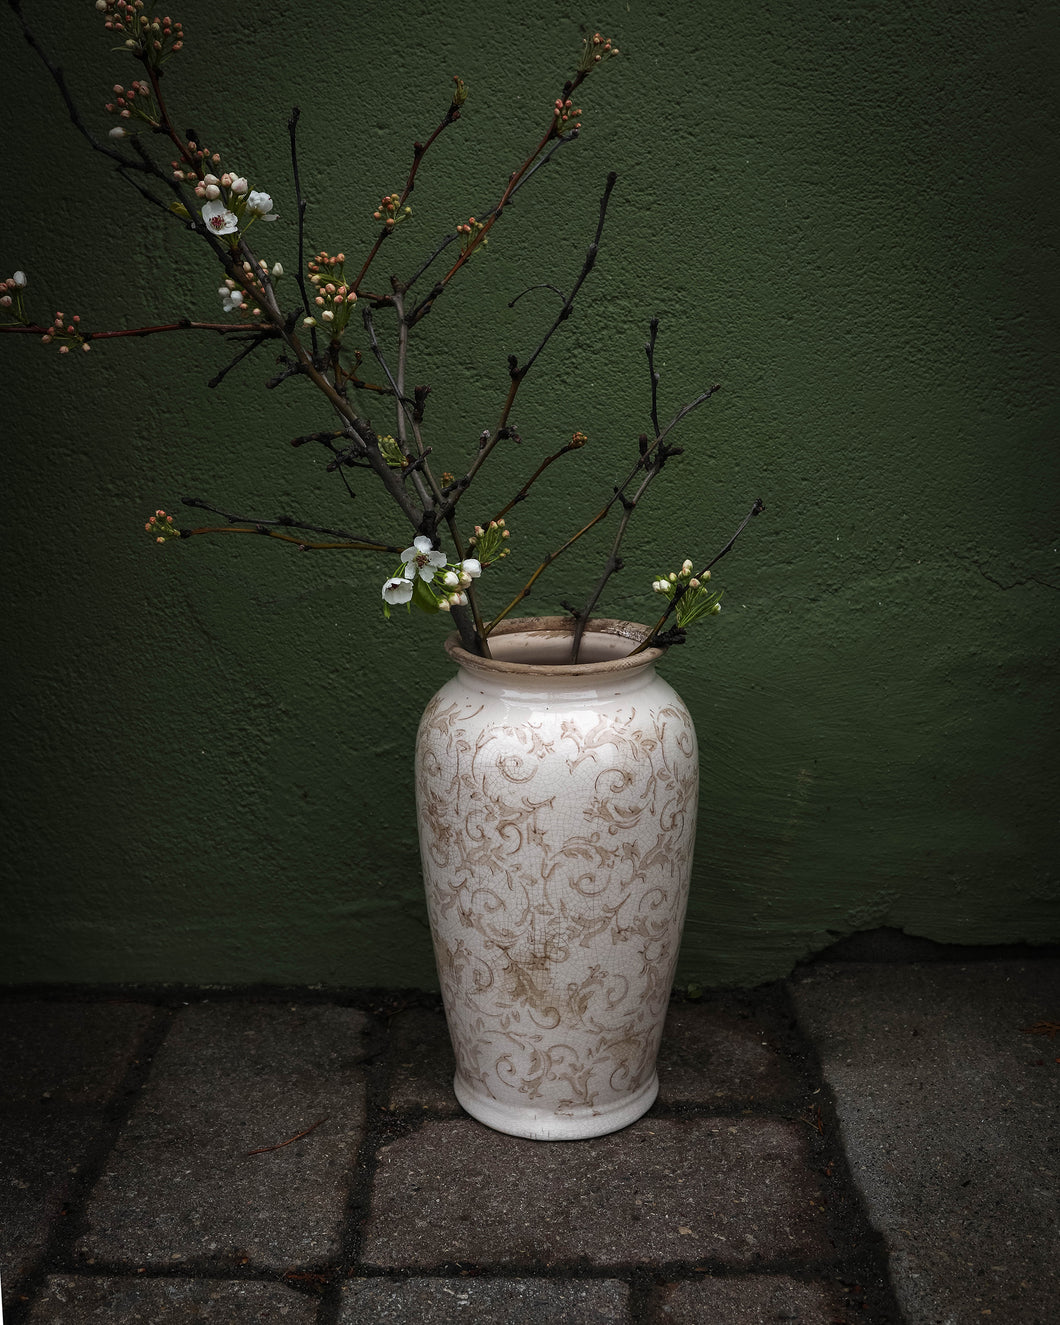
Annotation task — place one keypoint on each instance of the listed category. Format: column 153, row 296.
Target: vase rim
column 557, row 627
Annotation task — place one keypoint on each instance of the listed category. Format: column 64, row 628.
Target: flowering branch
column 682, row 589
column 258, row 332
column 217, row 205
column 251, row 524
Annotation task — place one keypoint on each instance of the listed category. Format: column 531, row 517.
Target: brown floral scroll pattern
column 556, row 855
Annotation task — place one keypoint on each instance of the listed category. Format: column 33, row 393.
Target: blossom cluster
column 234, row 296
column 232, row 207
column 161, row 525
column 390, row 211
column 11, row 296
column 566, row 116
column 469, row 232
column 153, row 40
column 596, row 48
column 66, row 332
column 695, row 599
column 136, row 101
column 333, row 296
column 429, row 580
column 489, row 543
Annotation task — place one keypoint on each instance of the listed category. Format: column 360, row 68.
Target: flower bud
column 20, row 279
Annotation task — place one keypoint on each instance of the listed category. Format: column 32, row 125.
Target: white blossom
column 260, row 204
column 421, row 560
column 397, row 590
column 239, row 184
column 20, row 279
column 231, row 299
column 471, row 567
column 219, row 220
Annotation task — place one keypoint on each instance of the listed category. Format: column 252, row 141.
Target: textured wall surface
column 843, row 214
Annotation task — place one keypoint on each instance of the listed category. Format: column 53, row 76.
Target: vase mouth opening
column 540, row 646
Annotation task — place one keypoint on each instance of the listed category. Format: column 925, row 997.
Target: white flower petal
column 219, row 220
column 397, row 591
column 472, row 567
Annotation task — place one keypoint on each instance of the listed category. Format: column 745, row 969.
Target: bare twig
column 251, row 524
column 265, row 1150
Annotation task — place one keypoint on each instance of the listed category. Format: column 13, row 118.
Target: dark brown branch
column 184, row 324
column 287, row 522
column 516, row 373
column 548, row 460
column 292, row 130
column 258, row 341
column 649, row 350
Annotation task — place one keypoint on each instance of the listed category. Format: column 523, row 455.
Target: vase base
column 542, row 1124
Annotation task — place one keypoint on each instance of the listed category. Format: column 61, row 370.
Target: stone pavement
column 867, row 1142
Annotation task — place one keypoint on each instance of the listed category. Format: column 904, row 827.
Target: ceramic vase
column 557, row 811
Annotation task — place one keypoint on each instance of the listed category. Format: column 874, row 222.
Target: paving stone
column 950, row 1116
column 62, row 1063
column 753, row 1299
column 231, row 1077
column 79, row 1300
column 423, row 1062
column 710, row 1055
column 484, row 1302
column 734, row 1190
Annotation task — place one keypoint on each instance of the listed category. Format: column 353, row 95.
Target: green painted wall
column 843, row 213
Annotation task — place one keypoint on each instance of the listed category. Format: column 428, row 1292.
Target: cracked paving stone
column 949, row 1110
column 753, row 1299
column 484, row 1302
column 736, row 1191
column 63, row 1062
column 232, row 1077
column 423, row 1062
column 712, row 1056
column 83, row 1300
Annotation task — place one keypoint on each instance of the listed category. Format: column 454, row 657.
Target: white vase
column 557, row 811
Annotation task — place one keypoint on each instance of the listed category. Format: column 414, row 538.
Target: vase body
column 557, row 810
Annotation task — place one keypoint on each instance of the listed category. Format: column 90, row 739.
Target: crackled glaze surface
column 557, row 815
